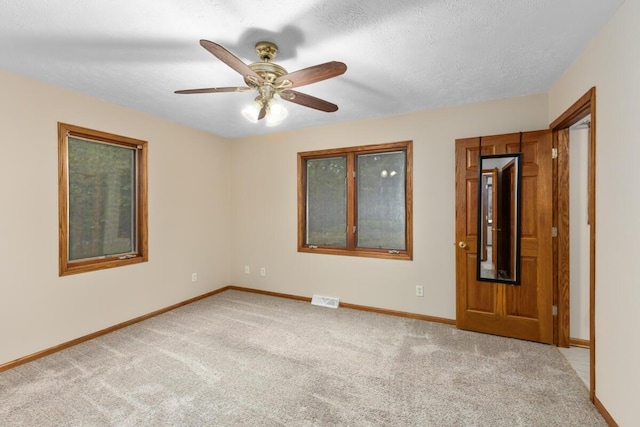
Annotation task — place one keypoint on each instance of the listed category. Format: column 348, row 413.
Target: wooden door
column 523, row 311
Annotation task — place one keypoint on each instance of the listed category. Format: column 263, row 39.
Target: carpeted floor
column 243, row 359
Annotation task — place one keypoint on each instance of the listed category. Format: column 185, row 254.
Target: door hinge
column 554, row 310
column 554, row 153
column 554, row 231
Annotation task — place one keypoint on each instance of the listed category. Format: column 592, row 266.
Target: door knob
column 462, row 244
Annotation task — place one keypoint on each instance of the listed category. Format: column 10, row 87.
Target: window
column 102, row 200
column 356, row 201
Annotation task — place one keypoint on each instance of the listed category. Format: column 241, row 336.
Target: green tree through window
column 327, row 201
column 102, row 200
column 101, row 214
column 381, row 200
column 356, row 201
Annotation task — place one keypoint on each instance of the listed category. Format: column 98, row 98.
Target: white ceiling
column 402, row 55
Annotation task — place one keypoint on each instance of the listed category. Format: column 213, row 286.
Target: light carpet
column 244, row 359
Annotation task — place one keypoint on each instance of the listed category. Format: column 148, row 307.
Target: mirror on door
column 499, row 179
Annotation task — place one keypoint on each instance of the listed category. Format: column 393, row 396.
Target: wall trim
column 605, row 414
column 578, row 342
column 269, row 293
column 355, row 306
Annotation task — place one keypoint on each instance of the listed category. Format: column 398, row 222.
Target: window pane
column 101, row 199
column 327, row 201
column 381, row 200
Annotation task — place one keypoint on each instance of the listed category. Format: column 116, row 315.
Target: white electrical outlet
column 194, row 277
column 247, row 269
column 419, row 291
column 263, row 271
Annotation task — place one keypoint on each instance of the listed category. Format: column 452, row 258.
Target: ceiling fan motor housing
column 267, row 70
column 266, row 51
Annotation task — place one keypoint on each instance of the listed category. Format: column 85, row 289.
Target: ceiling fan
column 270, row 79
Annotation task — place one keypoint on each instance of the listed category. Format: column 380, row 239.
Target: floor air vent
column 330, row 302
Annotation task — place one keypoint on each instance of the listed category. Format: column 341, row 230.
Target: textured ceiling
column 402, row 56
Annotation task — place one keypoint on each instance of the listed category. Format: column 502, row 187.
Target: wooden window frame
column 350, row 249
column 67, row 267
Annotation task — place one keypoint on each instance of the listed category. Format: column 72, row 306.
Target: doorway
column 577, row 113
column 578, row 352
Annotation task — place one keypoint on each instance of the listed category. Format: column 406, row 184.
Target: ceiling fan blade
column 230, row 59
column 308, row 101
column 263, row 111
column 214, row 90
column 312, row 74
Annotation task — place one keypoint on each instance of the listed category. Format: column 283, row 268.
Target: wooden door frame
column 581, row 108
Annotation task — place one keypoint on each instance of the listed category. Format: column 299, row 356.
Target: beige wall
column 189, row 220
column 264, row 205
column 214, row 207
column 611, row 63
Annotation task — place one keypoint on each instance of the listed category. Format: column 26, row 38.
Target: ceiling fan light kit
column 275, row 112
column 272, row 81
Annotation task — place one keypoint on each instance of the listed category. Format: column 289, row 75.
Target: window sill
column 100, row 264
column 367, row 253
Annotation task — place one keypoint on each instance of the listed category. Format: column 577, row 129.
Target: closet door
column 524, row 311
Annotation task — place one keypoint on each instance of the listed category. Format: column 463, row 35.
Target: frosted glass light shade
column 277, row 113
column 251, row 111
